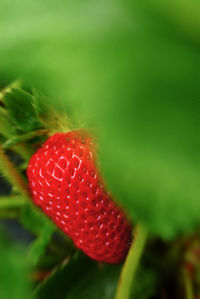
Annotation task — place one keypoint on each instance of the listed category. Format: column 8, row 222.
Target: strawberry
column 65, row 182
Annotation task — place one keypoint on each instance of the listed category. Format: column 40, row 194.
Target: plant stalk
column 11, row 174
column 7, row 202
column 189, row 294
column 127, row 276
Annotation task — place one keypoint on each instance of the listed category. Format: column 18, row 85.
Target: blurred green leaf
column 21, row 107
column 38, row 246
column 80, row 277
column 184, row 14
column 13, row 271
column 97, row 283
column 150, row 144
column 41, row 226
column 145, row 284
column 65, row 277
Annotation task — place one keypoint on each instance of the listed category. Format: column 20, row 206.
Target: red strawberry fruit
column 64, row 181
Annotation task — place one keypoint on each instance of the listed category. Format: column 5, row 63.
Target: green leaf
column 65, row 277
column 33, row 220
column 13, row 271
column 21, row 107
column 184, row 14
column 38, row 246
column 150, row 125
column 145, row 284
column 6, row 126
column 102, row 283
column 98, row 282
column 39, row 225
column 82, row 276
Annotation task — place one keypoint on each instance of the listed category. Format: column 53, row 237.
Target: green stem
column 188, row 285
column 11, row 174
column 9, row 214
column 130, row 266
column 12, row 202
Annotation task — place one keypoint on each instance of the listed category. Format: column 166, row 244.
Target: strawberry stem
column 131, row 263
column 16, row 201
column 11, row 174
column 9, row 214
column 189, row 294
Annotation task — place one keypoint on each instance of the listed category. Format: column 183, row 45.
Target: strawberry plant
column 99, row 149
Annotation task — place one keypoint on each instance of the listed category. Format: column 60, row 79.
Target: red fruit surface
column 64, row 181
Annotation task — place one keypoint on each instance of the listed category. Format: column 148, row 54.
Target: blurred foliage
column 145, row 283
column 99, row 283
column 129, row 69
column 14, row 280
column 82, row 278
column 77, row 274
column 64, row 278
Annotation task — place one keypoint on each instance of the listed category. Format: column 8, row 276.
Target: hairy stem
column 11, row 174
column 131, row 263
column 12, row 201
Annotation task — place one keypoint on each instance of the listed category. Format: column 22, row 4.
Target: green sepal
column 6, row 126
column 21, row 106
column 21, row 138
column 8, row 88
